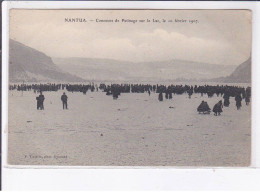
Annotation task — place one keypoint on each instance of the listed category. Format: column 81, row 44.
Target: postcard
column 129, row 87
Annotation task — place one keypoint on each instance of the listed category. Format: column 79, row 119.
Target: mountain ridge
column 30, row 65
column 162, row 70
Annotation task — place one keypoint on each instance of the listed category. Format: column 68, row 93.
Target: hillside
column 29, row 65
column 242, row 74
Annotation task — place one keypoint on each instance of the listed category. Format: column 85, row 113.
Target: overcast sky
column 220, row 37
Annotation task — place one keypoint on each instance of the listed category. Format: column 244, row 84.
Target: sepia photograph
column 129, row 88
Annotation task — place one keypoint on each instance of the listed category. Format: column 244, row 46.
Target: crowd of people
column 167, row 91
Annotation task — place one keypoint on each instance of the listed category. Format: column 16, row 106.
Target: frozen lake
column 135, row 130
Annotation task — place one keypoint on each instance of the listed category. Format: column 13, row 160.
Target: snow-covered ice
column 134, row 130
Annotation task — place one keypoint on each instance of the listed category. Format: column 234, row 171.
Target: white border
column 163, row 178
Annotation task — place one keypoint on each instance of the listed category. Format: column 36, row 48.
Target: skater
column 217, row 109
column 64, row 99
column 203, row 108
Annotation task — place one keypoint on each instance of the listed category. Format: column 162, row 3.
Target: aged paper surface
column 130, row 87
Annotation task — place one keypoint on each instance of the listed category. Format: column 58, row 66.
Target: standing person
column 64, row 99
column 248, row 95
column 190, row 92
column 115, row 95
column 38, row 102
column 41, row 100
column 247, row 99
column 84, row 91
column 238, row 99
column 170, row 95
column 166, row 94
column 226, row 99
column 160, row 97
